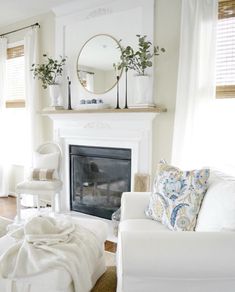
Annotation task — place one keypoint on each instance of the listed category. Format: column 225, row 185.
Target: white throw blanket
column 45, row 243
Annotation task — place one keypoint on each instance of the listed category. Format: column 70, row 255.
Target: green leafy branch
column 49, row 71
column 139, row 60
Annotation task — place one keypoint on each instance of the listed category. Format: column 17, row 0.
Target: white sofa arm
column 133, row 205
column 199, row 255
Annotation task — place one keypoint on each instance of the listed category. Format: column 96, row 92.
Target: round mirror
column 95, row 63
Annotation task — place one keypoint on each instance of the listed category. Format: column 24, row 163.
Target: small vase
column 142, row 89
column 54, row 91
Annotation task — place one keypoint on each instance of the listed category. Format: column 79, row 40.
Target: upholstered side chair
column 44, row 178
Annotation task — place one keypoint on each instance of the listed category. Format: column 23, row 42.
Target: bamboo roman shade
column 15, row 52
column 225, row 58
column 15, row 77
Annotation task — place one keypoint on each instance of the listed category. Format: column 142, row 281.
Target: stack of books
column 142, row 105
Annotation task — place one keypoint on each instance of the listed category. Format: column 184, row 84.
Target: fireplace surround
column 124, row 129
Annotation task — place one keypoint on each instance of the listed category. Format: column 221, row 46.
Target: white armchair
column 47, row 156
column 152, row 258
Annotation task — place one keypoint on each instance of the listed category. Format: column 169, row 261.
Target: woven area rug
column 107, row 282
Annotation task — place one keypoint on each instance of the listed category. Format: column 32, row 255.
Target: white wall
column 167, row 25
column 167, row 34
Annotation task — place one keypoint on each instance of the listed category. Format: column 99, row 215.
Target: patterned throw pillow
column 177, row 197
column 43, row 174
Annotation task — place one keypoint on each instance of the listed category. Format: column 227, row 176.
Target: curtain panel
column 4, row 167
column 196, row 83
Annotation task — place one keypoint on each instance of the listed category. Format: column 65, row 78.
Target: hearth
column 98, row 177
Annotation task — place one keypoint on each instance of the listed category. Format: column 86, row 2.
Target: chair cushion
column 35, row 185
column 177, row 197
column 42, row 174
column 218, row 208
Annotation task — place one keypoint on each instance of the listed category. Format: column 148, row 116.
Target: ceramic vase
column 142, row 89
column 54, row 91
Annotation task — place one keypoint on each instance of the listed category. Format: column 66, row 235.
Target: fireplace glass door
column 98, row 177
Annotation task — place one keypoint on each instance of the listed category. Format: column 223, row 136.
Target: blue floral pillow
column 177, row 197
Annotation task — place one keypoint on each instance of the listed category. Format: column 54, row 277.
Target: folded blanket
column 45, row 243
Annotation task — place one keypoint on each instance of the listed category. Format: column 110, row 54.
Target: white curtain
column 194, row 115
column 31, row 87
column 4, row 167
column 32, row 103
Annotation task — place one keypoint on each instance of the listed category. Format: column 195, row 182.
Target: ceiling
column 12, row 11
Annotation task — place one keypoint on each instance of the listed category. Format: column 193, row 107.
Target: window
column 225, row 59
column 15, row 91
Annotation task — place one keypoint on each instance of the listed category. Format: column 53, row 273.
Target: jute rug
column 107, row 282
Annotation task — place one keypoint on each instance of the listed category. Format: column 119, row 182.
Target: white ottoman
column 57, row 279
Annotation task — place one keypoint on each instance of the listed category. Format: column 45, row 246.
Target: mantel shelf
column 49, row 111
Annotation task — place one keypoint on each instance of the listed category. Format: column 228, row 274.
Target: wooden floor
column 8, row 210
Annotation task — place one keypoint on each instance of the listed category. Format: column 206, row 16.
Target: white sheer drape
column 31, row 90
column 196, row 84
column 4, row 167
column 32, row 103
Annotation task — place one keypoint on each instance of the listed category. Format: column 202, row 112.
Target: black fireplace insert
column 98, row 177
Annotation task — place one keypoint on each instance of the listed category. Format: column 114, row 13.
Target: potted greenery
column 49, row 73
column 139, row 61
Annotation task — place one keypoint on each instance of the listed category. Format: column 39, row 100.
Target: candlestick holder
column 117, row 107
column 69, row 94
column 126, row 106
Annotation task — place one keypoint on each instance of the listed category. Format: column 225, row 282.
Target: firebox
column 98, row 177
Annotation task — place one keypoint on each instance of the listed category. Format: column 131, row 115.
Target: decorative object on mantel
column 139, row 61
column 92, row 104
column 124, row 64
column 142, row 105
column 118, row 71
column 49, row 73
column 69, row 94
column 126, row 70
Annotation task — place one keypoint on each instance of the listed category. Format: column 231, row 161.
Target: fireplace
column 98, row 177
column 109, row 129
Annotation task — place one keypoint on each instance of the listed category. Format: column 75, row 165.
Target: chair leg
column 53, row 203
column 38, row 203
column 57, row 196
column 18, row 206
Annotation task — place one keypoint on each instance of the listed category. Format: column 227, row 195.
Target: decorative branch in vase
column 49, row 73
column 139, row 61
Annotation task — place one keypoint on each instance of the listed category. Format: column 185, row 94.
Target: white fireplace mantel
column 130, row 129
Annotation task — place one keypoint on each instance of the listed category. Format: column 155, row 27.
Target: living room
column 112, row 140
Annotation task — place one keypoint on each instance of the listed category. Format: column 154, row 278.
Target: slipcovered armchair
column 44, row 178
column 152, row 258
